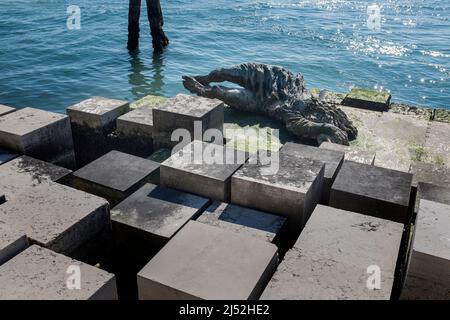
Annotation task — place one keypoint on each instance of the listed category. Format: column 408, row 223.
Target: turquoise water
column 45, row 65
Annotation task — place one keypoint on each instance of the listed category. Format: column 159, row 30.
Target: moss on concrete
column 442, row 115
column 364, row 94
column 149, row 101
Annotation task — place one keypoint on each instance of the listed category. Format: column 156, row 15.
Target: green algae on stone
column 442, row 115
column 160, row 155
column 149, row 101
column 368, row 99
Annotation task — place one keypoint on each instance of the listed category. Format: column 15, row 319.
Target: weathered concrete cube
column 335, row 257
column 115, row 176
column 5, row 110
column 55, row 216
column 333, row 161
column 40, row 134
column 259, row 224
column 368, row 99
column 193, row 170
column 97, row 112
column 11, row 243
column 431, row 192
column 351, row 154
column 38, row 273
column 92, row 121
column 430, row 173
column 25, row 172
column 6, row 156
column 373, row 191
column 211, row 263
column 428, row 275
column 181, row 112
column 146, row 220
column 292, row 191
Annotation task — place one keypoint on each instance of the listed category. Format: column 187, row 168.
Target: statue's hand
column 333, row 134
column 191, row 84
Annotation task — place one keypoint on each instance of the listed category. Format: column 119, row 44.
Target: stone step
column 40, row 134
column 55, row 216
column 38, row 273
column 373, row 191
column 11, row 243
column 4, row 110
column 259, row 224
column 368, row 99
column 336, row 256
column 202, row 168
column 211, row 264
column 428, row 274
column 288, row 186
column 332, row 159
column 181, row 112
column 24, row 172
column 115, row 176
column 351, row 153
column 145, row 221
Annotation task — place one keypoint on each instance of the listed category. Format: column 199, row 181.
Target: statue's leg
column 236, row 74
column 320, row 132
column 238, row 98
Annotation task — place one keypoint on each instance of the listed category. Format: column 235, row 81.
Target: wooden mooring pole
column 156, row 21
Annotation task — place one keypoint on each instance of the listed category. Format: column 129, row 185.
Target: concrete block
column 115, row 176
column 6, row 156
column 55, row 216
column 146, row 220
column 25, row 172
column 430, row 173
column 149, row 101
column 5, row 110
column 38, row 273
column 11, row 243
column 191, row 170
column 431, row 192
column 351, row 153
column 40, row 134
column 93, row 122
column 368, row 99
column 436, row 144
column 292, row 191
column 428, row 274
column 331, row 259
column 373, row 191
column 259, row 224
column 333, row 161
column 181, row 112
column 97, row 112
column 211, row 263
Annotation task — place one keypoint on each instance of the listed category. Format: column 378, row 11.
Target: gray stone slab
column 55, row 216
column 6, row 156
column 115, row 176
column 368, row 99
column 373, row 191
column 211, row 263
column 11, row 243
column 5, row 110
column 351, row 153
column 97, row 112
column 330, row 260
column 137, row 123
column 428, row 274
column 153, row 215
column 193, row 170
column 38, row 273
column 431, row 192
column 436, row 144
column 181, row 112
column 292, row 191
column 40, row 134
column 25, row 172
column 259, row 224
column 430, row 173
column 333, row 161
